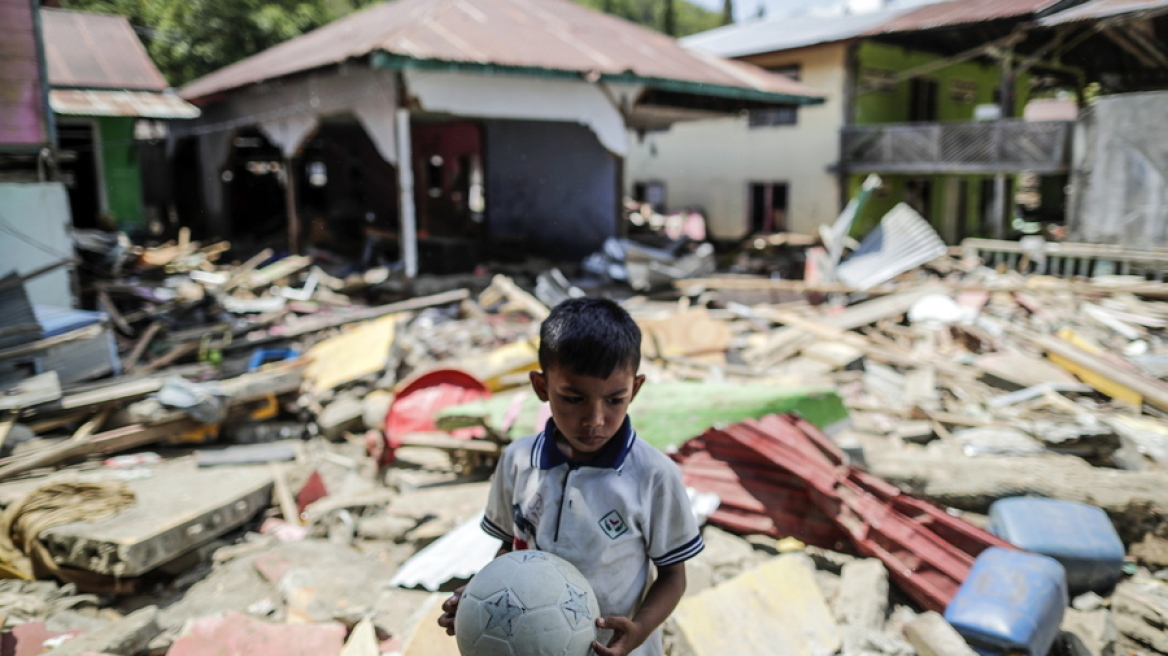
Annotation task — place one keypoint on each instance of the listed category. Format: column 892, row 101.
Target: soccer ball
column 527, row 603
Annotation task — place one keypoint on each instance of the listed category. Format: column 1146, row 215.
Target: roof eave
column 384, row 59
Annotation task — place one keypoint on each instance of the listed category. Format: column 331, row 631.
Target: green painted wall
column 961, row 87
column 891, row 105
column 120, row 168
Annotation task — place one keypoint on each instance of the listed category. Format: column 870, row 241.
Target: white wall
column 34, row 232
column 710, row 164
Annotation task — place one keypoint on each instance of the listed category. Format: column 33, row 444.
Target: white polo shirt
column 609, row 516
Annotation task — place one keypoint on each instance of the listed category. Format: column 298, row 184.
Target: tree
column 669, row 21
column 190, row 38
column 727, row 12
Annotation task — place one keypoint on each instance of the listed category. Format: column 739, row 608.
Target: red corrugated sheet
column 96, row 51
column 781, row 476
column 554, row 35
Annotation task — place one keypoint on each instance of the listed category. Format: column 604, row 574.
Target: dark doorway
column 79, row 171
column 918, row 194
column 448, row 179
column 768, row 207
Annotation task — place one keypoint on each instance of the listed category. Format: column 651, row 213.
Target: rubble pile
column 297, row 458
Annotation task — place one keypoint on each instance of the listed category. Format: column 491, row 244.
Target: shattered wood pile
column 285, row 439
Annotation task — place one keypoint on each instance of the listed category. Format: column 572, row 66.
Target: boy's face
column 587, row 410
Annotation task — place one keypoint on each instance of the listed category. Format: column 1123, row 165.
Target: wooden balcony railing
column 1008, row 146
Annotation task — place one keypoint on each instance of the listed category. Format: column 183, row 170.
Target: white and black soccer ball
column 527, row 603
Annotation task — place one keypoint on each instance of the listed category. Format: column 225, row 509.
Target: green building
column 959, row 107
column 111, row 105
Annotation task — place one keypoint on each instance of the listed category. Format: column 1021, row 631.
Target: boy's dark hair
column 589, row 336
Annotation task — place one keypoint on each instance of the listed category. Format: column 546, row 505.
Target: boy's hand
column 449, row 609
column 627, row 635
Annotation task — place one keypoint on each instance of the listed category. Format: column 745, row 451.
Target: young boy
column 587, row 489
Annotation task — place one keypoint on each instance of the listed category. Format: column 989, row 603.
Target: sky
column 745, row 9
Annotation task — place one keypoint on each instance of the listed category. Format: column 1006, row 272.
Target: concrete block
column 178, row 509
column 374, row 408
column 321, row 581
column 931, row 635
column 238, row 634
column 775, row 608
column 128, row 635
column 862, row 601
column 30, row 638
column 345, row 413
column 1095, row 629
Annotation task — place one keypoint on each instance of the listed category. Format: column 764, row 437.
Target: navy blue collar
column 546, row 455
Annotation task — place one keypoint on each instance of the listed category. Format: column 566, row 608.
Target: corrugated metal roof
column 903, row 241
column 96, row 51
column 23, row 120
column 146, row 104
column 772, row 35
column 541, row 35
column 961, row 12
column 1097, row 9
column 788, row 33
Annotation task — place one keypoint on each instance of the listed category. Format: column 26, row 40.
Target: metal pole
column 405, row 184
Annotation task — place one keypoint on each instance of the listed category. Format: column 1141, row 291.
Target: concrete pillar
column 405, row 184
column 999, row 207
column 291, row 199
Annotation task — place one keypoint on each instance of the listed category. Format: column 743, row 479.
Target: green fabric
column 668, row 414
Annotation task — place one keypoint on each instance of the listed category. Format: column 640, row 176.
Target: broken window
column 652, row 193
column 922, row 100
column 768, row 207
column 761, row 118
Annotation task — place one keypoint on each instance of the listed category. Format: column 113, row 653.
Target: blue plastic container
column 1011, row 603
column 1079, row 536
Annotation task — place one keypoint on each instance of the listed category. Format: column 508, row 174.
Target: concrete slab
column 775, row 608
column 178, row 509
column 30, row 638
column 863, row 595
column 128, row 635
column 427, row 638
column 238, row 634
column 931, row 635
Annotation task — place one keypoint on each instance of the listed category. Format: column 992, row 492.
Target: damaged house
column 965, row 109
column 425, row 131
column 111, row 105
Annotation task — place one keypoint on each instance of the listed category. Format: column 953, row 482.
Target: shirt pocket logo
column 613, row 525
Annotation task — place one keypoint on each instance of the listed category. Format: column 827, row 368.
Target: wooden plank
column 313, row 326
column 447, row 442
column 88, row 332
column 120, row 439
column 1105, row 376
column 32, row 391
column 131, row 361
column 6, row 425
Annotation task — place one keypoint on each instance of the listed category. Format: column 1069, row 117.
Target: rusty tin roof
column 96, row 51
column 540, row 37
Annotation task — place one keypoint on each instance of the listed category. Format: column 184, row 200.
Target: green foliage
column 190, row 38
column 688, row 18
